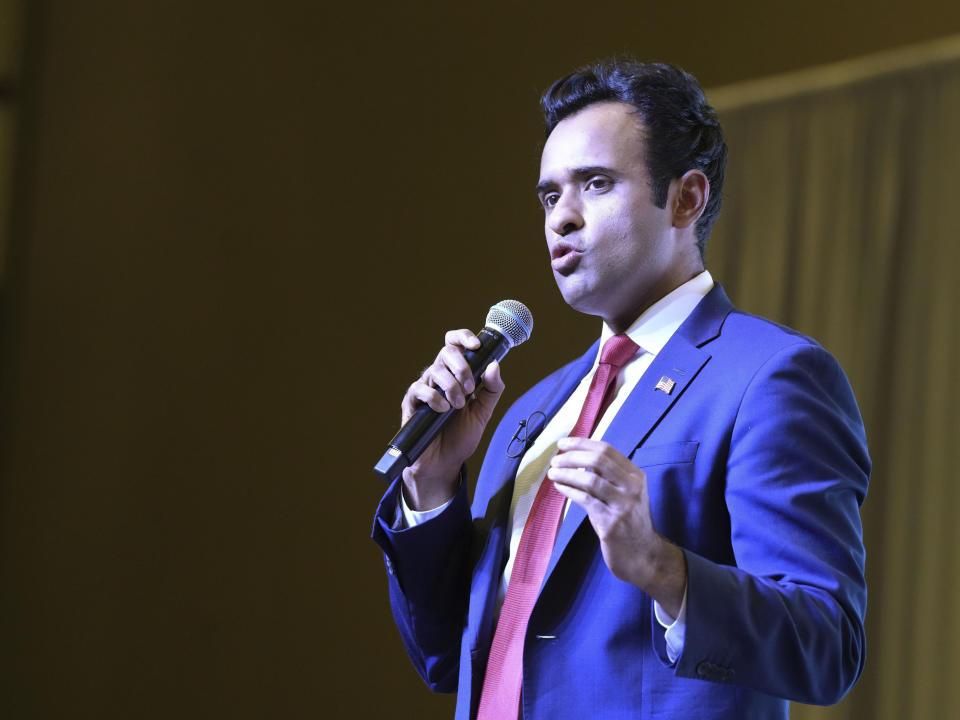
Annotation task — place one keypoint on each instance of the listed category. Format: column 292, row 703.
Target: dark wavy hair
column 682, row 130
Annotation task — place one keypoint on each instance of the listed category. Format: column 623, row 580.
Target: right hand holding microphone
column 448, row 382
column 427, row 452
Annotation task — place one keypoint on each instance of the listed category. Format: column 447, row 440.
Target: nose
column 566, row 216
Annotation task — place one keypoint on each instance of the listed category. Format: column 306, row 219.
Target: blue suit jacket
column 756, row 465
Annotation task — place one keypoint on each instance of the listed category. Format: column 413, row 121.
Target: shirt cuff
column 408, row 518
column 675, row 629
column 412, row 518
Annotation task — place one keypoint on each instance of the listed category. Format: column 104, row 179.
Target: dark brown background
column 238, row 231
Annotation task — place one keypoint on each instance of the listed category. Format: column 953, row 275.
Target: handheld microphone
column 509, row 323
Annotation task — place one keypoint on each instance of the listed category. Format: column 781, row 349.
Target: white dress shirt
column 650, row 331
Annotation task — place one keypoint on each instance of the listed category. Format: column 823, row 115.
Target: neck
column 620, row 322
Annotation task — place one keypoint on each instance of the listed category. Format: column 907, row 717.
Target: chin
column 580, row 301
column 570, row 295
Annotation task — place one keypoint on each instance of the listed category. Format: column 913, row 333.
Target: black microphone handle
column 422, row 427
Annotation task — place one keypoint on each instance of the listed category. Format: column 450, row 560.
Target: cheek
column 623, row 228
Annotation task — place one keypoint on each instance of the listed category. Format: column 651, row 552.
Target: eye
column 598, row 183
column 548, row 200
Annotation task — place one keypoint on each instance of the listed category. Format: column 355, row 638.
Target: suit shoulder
column 717, row 325
column 754, row 334
column 749, row 347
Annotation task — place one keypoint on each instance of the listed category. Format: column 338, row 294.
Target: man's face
column 613, row 251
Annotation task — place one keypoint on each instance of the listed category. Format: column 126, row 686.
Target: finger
column 440, row 377
column 488, row 392
column 583, row 481
column 421, row 393
column 492, row 382
column 580, row 443
column 457, row 365
column 584, row 499
column 599, row 463
column 608, row 460
column 409, row 403
column 463, row 338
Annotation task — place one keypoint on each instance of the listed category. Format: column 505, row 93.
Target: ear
column 692, row 193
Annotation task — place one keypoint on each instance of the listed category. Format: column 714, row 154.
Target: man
column 694, row 547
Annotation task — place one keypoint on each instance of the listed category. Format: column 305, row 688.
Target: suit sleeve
column 428, row 576
column 787, row 618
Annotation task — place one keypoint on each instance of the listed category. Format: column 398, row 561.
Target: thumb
column 492, row 382
column 491, row 388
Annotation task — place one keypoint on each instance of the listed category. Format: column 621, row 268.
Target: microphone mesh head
column 511, row 319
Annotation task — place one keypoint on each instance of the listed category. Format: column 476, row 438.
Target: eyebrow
column 580, row 173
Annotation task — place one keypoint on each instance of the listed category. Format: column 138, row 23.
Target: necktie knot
column 618, row 350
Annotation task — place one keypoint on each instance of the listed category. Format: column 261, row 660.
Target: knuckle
column 452, row 358
column 456, row 337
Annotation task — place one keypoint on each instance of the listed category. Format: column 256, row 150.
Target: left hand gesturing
column 613, row 492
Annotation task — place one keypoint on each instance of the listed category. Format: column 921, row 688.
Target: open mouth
column 564, row 258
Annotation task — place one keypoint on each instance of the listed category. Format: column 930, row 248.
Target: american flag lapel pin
column 665, row 384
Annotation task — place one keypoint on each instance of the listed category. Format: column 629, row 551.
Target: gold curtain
column 841, row 219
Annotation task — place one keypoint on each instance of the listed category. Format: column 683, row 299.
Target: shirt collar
column 660, row 321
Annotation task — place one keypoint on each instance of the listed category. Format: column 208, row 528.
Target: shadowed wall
column 238, row 232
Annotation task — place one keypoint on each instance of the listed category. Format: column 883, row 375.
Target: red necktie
column 500, row 699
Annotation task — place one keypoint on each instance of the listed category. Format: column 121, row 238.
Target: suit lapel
column 573, row 374
column 545, row 399
column 679, row 362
